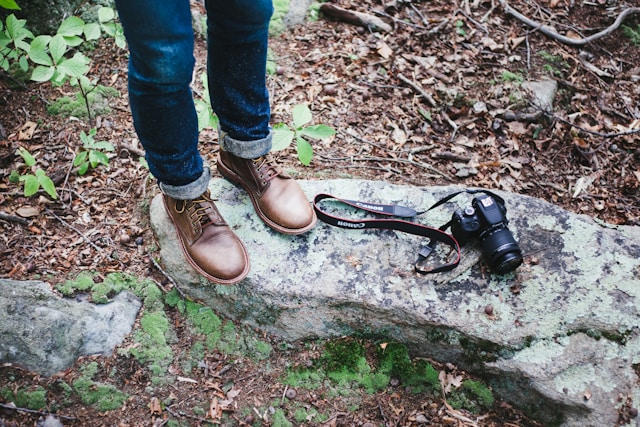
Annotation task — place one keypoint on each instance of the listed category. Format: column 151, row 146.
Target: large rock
column 562, row 341
column 46, row 334
column 43, row 16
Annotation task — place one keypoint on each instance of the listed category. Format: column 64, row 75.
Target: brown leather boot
column 276, row 197
column 210, row 246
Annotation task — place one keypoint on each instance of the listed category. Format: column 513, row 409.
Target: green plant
column 206, row 117
column 105, row 397
column 508, row 76
column 110, row 26
column 91, row 154
column 9, row 4
column 632, row 33
column 33, row 181
column 284, row 135
column 460, row 28
column 14, row 43
column 31, row 399
column 471, row 395
column 55, row 57
column 49, row 52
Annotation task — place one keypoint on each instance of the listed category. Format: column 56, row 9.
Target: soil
column 435, row 101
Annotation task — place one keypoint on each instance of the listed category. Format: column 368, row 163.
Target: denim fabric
column 161, row 64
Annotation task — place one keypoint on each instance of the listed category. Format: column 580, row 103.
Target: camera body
column 486, row 220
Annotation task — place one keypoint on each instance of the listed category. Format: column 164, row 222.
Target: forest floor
column 438, row 99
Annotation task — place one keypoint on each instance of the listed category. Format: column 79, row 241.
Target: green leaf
column 74, row 67
column 14, row 177
column 29, row 160
column 102, row 145
column 318, row 131
column 305, row 151
column 86, row 139
column 301, row 115
column 80, row 158
column 106, row 14
column 282, row 137
column 46, row 184
column 42, row 74
column 57, row 48
column 97, row 157
column 9, row 4
column 92, row 31
column 24, row 63
column 31, row 184
column 14, row 25
column 72, row 26
column 38, row 52
column 121, row 42
column 83, row 168
column 203, row 110
column 73, row 40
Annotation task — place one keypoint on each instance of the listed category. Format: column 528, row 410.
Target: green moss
column 114, row 283
column 104, row 397
column 343, row 355
column 153, row 347
column 472, row 396
column 83, row 282
column 281, row 7
column 34, row 399
column 305, row 378
column 280, row 420
column 98, row 100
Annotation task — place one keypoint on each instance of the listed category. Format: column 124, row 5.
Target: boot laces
column 201, row 210
column 267, row 167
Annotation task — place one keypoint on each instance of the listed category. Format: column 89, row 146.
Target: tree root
column 551, row 32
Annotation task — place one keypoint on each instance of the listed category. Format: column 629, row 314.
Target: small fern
column 633, row 34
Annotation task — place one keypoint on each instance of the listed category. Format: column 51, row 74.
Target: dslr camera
column 486, row 219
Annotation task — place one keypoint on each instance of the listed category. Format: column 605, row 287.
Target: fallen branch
column 365, row 20
column 419, row 89
column 168, row 277
column 585, row 130
column 31, row 411
column 551, row 32
column 71, row 227
column 13, row 218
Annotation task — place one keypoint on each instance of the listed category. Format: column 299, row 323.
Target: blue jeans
column 161, row 41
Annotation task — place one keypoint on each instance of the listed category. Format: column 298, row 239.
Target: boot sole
column 237, row 180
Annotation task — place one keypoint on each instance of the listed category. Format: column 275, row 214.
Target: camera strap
column 434, row 234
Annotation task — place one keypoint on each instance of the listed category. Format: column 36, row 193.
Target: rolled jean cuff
column 190, row 191
column 246, row 149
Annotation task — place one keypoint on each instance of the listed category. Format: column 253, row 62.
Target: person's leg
column 238, row 33
column 160, row 39
column 161, row 62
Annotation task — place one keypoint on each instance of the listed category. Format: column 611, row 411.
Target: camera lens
column 501, row 250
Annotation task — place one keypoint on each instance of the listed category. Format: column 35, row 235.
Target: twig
column 585, row 130
column 409, row 162
column 418, row 89
column 31, row 411
column 399, row 21
column 71, row 227
column 468, row 16
column 193, row 417
column 169, row 278
column 452, row 124
column 333, row 417
column 551, row 32
column 13, row 218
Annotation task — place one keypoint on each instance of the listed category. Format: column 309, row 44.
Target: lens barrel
column 500, row 249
